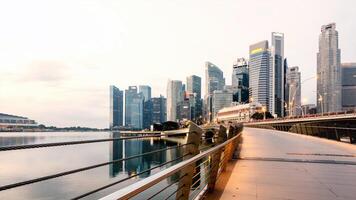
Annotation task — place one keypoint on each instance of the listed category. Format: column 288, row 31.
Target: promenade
column 282, row 165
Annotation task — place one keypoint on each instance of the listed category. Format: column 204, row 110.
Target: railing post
column 187, row 173
column 215, row 159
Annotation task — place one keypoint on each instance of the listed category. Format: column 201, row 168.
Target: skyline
column 60, row 77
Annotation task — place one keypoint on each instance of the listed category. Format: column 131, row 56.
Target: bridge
column 330, row 126
column 227, row 161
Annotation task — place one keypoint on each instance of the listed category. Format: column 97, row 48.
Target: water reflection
column 123, row 149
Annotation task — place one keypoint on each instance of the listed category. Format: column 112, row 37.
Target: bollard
column 187, row 173
column 215, row 159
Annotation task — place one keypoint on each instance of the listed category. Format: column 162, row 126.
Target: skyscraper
column 277, row 76
column 133, row 108
column 214, row 80
column 146, row 91
column 328, row 70
column 294, row 90
column 159, row 109
column 348, row 71
column 240, row 81
column 174, row 97
column 116, row 107
column 194, row 87
column 220, row 99
column 260, row 70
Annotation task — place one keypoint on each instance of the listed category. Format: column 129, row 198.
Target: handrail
column 65, row 173
column 54, row 144
column 140, row 186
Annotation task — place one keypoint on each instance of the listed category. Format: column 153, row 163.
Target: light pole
column 291, row 102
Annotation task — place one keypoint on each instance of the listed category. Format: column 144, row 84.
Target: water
column 21, row 165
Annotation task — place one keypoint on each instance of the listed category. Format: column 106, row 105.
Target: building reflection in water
column 127, row 148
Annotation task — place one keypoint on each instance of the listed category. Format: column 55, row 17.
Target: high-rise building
column 294, row 90
column 348, row 71
column 220, row 99
column 286, row 87
column 328, row 70
column 214, row 80
column 159, row 109
column 116, row 107
column 259, row 71
column 240, row 81
column 277, row 76
column 146, row 91
column 194, row 87
column 174, row 97
column 134, row 103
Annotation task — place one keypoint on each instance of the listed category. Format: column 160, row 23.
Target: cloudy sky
column 58, row 58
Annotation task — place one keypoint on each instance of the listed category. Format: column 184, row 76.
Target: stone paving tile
column 255, row 179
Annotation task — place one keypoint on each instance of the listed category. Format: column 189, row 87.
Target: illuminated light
column 258, row 50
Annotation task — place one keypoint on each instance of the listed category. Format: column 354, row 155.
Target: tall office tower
column 116, row 107
column 221, row 99
column 328, row 70
column 174, row 97
column 348, row 71
column 259, row 70
column 276, row 102
column 129, row 94
column 146, row 91
column 159, row 109
column 194, row 87
column 214, row 80
column 134, row 108
column 286, row 87
column 240, row 81
column 294, row 90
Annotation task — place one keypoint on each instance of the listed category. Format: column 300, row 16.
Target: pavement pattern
column 281, row 165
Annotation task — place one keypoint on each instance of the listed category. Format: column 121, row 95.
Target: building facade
column 277, row 76
column 348, row 71
column 240, row 81
column 294, row 102
column 220, row 99
column 259, row 72
column 134, row 103
column 146, row 91
column 328, row 70
column 194, row 87
column 214, row 80
column 174, row 97
column 159, row 107
column 116, row 107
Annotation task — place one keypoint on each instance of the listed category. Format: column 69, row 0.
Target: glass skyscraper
column 277, row 76
column 240, row 81
column 214, row 80
column 328, row 70
column 146, row 91
column 134, row 103
column 159, row 109
column 348, row 86
column 259, row 70
column 116, row 107
column 194, row 87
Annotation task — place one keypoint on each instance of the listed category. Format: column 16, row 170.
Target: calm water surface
column 21, row 165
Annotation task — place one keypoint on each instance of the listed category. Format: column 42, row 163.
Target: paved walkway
column 280, row 165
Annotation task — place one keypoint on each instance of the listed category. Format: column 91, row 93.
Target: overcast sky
column 58, row 58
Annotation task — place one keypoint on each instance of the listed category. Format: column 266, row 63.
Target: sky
column 58, row 58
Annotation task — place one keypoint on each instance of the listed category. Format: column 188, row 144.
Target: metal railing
column 204, row 157
column 211, row 161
